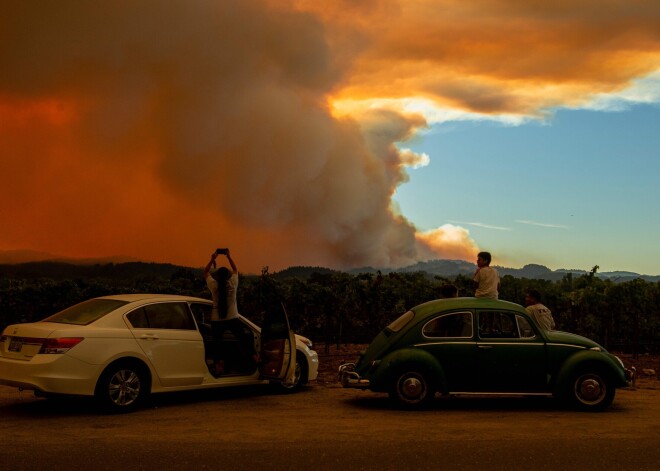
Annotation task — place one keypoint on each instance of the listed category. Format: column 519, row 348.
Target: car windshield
column 400, row 322
column 85, row 312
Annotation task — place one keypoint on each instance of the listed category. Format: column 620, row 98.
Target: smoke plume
column 161, row 130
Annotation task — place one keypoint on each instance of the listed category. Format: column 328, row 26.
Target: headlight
column 620, row 361
column 306, row 341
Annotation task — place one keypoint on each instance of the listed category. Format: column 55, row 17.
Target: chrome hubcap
column 412, row 388
column 296, row 377
column 590, row 390
column 124, row 387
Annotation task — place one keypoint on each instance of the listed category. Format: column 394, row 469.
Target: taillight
column 60, row 345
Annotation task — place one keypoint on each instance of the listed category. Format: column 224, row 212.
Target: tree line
column 337, row 307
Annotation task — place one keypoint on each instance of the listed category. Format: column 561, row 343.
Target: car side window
column 201, row 312
column 453, row 325
column 525, row 328
column 498, row 325
column 138, row 319
column 175, row 316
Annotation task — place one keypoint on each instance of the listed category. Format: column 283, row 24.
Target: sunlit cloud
column 541, row 224
column 433, row 112
column 414, row 160
column 507, row 60
column 447, row 241
column 641, row 91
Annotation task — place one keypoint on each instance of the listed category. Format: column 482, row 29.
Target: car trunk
column 24, row 341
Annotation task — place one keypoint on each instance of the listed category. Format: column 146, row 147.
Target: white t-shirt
column 232, row 288
column 542, row 315
column 488, row 279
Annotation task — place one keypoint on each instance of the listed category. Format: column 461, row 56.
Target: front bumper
column 312, row 365
column 349, row 378
column 631, row 376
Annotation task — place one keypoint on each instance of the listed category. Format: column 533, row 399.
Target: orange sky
column 161, row 131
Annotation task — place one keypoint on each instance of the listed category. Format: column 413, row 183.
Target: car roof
column 433, row 307
column 153, row 297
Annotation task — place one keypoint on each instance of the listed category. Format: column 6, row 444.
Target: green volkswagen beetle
column 482, row 346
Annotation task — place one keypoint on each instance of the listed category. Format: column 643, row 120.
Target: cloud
column 412, row 159
column 482, row 225
column 541, row 224
column 447, row 241
column 504, row 58
column 163, row 130
column 645, row 90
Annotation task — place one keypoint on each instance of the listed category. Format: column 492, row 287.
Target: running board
column 459, row 393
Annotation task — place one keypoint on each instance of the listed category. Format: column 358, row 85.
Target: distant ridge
column 115, row 271
column 34, row 263
column 10, row 257
column 303, row 272
column 453, row 268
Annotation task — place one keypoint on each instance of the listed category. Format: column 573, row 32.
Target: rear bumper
column 349, row 378
column 58, row 374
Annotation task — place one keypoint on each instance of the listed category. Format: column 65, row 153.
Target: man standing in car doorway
column 223, row 284
column 224, row 300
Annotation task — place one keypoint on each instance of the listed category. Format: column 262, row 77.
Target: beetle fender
column 587, row 360
column 395, row 362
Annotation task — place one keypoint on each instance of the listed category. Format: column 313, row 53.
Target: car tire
column 591, row 390
column 412, row 389
column 122, row 387
column 300, row 376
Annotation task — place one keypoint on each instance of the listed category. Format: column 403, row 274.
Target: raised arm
column 234, row 269
column 211, row 264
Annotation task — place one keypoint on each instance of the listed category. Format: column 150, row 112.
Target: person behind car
column 486, row 280
column 538, row 311
column 448, row 291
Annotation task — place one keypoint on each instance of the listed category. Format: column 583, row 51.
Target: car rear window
column 85, row 312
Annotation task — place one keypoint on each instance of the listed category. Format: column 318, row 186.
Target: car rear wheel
column 591, row 391
column 412, row 389
column 122, row 387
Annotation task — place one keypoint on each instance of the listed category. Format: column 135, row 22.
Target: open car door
column 278, row 347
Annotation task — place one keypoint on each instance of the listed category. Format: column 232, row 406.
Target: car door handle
column 149, row 337
column 485, row 347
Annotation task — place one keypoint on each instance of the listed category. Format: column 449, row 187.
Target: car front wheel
column 122, row 387
column 412, row 389
column 591, row 391
column 299, row 378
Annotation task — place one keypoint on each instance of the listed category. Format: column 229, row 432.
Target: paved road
column 328, row 428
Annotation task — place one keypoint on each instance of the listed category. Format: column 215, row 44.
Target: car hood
column 556, row 336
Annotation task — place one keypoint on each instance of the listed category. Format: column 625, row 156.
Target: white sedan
column 122, row 348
